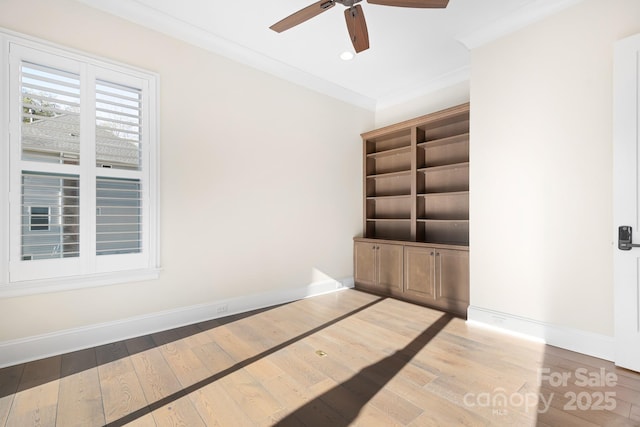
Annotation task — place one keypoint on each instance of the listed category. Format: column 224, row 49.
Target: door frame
column 626, row 200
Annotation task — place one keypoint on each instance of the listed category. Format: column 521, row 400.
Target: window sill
column 59, row 284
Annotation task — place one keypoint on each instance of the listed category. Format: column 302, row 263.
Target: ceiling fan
column 356, row 24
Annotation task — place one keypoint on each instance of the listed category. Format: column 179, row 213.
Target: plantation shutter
column 50, row 133
column 59, row 195
column 118, row 126
column 50, row 126
column 119, row 216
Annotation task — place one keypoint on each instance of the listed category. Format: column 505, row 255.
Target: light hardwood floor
column 347, row 358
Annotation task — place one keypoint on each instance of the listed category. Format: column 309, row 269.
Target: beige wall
column 438, row 100
column 541, row 174
column 264, row 184
column 260, row 178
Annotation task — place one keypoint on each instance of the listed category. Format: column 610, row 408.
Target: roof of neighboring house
column 60, row 135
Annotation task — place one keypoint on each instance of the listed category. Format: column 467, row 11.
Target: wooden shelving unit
column 416, row 179
column 416, row 201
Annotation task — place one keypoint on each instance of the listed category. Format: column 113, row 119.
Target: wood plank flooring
column 347, row 358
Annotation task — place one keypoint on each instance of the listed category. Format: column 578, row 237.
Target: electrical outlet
column 498, row 320
column 223, row 308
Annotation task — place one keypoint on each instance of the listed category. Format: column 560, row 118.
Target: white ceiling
column 413, row 51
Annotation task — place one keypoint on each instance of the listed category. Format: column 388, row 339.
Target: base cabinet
column 430, row 275
column 437, row 277
column 378, row 267
column 420, row 273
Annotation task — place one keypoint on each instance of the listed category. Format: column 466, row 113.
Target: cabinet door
column 364, row 264
column 452, row 279
column 389, row 268
column 419, row 273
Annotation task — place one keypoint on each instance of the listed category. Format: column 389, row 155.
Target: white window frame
column 23, row 277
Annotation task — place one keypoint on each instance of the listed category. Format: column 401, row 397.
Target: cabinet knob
column 432, row 253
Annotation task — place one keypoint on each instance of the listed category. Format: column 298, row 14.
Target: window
column 39, row 218
column 61, row 239
column 81, row 174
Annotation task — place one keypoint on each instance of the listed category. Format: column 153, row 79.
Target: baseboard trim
column 584, row 342
column 27, row 349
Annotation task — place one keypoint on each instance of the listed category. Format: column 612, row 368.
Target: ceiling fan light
column 346, row 55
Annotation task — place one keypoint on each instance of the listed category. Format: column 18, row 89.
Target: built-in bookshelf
column 416, row 179
column 415, row 241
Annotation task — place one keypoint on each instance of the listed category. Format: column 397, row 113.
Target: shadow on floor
column 341, row 405
column 21, row 377
column 213, row 378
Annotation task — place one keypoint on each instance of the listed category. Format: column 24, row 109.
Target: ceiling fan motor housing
column 348, row 3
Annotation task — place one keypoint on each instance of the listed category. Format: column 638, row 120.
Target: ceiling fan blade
column 412, row 3
column 302, row 15
column 357, row 27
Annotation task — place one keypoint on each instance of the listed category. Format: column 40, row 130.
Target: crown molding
column 407, row 94
column 156, row 20
column 522, row 17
